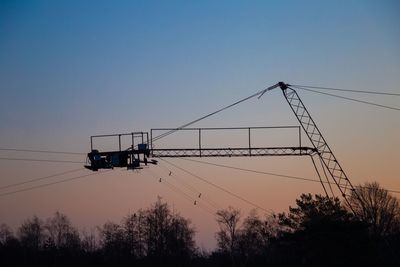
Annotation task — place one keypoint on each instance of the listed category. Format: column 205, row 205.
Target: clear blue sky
column 70, row 69
column 78, row 61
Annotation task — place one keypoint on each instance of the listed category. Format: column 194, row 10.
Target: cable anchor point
column 282, row 85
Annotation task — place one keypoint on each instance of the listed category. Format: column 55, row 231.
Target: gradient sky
column 71, row 69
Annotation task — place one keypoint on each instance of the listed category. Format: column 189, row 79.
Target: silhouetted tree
column 319, row 231
column 181, row 238
column 310, row 211
column 32, row 233
column 133, row 227
column 114, row 246
column 112, row 240
column 61, row 234
column 157, row 220
column 6, row 234
column 154, row 236
column 378, row 208
column 227, row 236
column 32, row 237
column 10, row 250
column 255, row 236
column 88, row 241
column 168, row 236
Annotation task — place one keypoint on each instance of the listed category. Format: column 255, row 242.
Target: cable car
column 131, row 158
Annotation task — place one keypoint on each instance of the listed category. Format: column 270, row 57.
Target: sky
column 72, row 69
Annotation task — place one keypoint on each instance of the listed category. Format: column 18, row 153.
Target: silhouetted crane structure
column 142, row 151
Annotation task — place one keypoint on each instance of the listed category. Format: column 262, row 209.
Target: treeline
column 152, row 237
column 318, row 231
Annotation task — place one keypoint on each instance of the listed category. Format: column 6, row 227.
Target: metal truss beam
column 318, row 141
column 232, row 152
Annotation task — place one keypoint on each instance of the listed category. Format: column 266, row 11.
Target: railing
column 143, row 136
column 249, row 150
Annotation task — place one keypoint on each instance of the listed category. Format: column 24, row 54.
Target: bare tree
column 31, row 233
column 227, row 236
column 133, row 227
column 6, row 234
column 155, row 235
column 377, row 207
column 112, row 237
column 244, row 243
column 256, row 234
column 180, row 237
column 167, row 234
column 61, row 233
column 88, row 241
column 158, row 218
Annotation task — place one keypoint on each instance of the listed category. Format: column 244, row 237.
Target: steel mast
column 317, row 140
